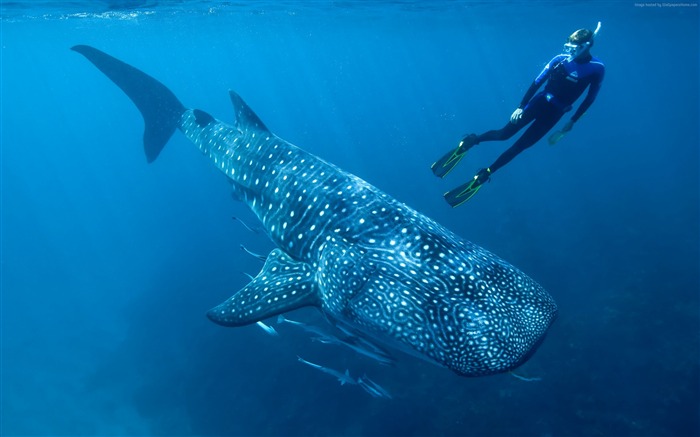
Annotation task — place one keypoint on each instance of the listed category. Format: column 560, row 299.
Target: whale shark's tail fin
column 160, row 108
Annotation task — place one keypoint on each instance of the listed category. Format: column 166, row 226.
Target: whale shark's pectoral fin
column 282, row 285
column 245, row 117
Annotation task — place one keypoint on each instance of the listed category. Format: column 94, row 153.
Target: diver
column 567, row 75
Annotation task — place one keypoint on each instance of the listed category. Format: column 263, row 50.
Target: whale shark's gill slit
column 160, row 109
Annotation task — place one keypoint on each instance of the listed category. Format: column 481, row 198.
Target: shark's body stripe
column 373, row 265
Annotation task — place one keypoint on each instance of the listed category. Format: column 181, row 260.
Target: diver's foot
column 482, row 176
column 467, row 143
column 466, row 191
column 444, row 165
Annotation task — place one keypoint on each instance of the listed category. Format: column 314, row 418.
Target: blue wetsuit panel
column 569, row 79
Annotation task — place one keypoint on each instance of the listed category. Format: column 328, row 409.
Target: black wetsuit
column 567, row 80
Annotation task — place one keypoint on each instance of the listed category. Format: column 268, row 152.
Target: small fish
column 255, row 229
column 526, row 378
column 322, row 333
column 374, row 389
column 262, row 258
column 248, row 275
column 355, row 343
column 343, row 378
column 269, row 329
column 365, row 347
column 359, row 345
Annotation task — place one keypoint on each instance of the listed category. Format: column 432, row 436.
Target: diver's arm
column 540, row 79
column 530, row 92
column 518, row 113
column 536, row 84
column 590, row 97
column 587, row 102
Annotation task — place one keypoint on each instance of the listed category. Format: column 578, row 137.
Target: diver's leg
column 533, row 134
column 447, row 162
column 531, row 111
column 443, row 166
column 502, row 134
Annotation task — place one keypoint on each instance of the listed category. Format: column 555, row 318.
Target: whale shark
column 371, row 264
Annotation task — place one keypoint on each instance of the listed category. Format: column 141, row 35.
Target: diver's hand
column 516, row 116
column 568, row 126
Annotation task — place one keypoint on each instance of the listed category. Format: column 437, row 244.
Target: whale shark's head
column 462, row 308
column 500, row 319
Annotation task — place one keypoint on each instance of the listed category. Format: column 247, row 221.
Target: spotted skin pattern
column 371, row 264
column 368, row 261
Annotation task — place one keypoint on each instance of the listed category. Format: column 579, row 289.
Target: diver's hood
column 574, row 51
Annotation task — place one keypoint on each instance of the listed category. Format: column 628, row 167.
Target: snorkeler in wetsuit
column 567, row 76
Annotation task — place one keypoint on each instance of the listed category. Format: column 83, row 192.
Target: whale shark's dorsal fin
column 245, row 117
column 282, row 285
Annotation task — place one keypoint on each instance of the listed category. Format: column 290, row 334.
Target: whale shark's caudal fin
column 160, row 108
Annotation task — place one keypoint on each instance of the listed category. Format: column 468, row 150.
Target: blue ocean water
column 109, row 264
